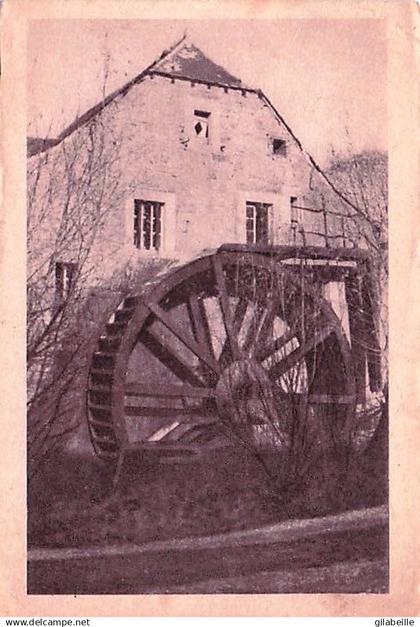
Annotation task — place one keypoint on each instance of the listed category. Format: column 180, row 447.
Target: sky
column 326, row 77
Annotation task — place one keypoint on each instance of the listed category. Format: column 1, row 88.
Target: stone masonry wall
column 204, row 185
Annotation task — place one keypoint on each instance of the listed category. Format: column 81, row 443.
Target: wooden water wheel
column 232, row 343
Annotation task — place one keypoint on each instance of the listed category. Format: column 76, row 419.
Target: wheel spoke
column 238, row 318
column 169, row 358
column 157, row 390
column 266, row 327
column 292, row 359
column 253, row 326
column 225, row 307
column 190, row 343
column 182, row 414
column 200, row 324
column 259, row 329
column 339, row 399
column 199, row 351
column 264, row 352
column 321, row 399
column 240, row 312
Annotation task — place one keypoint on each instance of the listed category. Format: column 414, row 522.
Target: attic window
column 201, row 123
column 279, row 147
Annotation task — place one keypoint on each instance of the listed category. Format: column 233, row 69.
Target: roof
column 179, row 61
column 188, row 61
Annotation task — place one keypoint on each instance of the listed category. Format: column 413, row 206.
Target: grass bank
column 70, row 504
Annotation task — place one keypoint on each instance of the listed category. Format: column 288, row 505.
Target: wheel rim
column 174, row 359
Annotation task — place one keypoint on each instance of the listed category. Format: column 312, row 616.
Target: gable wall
column 148, row 133
column 204, row 185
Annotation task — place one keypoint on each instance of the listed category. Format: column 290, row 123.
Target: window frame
column 294, row 211
column 257, row 212
column 203, row 117
column 153, row 216
column 64, row 278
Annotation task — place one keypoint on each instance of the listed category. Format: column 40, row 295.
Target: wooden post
column 353, row 287
column 324, row 213
column 343, row 232
column 371, row 309
column 118, row 469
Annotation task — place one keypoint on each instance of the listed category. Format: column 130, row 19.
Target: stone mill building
column 202, row 160
column 181, row 159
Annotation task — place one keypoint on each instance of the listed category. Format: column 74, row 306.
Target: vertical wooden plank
column 373, row 352
column 356, row 324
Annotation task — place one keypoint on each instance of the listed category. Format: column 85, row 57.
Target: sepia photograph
column 207, row 306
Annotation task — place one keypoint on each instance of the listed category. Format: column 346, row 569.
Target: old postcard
column 206, row 390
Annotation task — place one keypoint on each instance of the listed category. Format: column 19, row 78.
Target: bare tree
column 358, row 216
column 270, row 399
column 365, row 178
column 348, row 207
column 73, row 186
column 351, row 205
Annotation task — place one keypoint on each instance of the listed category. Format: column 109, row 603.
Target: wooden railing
column 331, row 239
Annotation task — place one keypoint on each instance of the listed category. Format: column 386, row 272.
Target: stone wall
column 204, row 183
column 145, row 147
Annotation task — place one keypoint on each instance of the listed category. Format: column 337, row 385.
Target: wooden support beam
column 157, row 390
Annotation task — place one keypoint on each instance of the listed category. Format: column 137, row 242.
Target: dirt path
column 345, row 553
column 350, row 577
